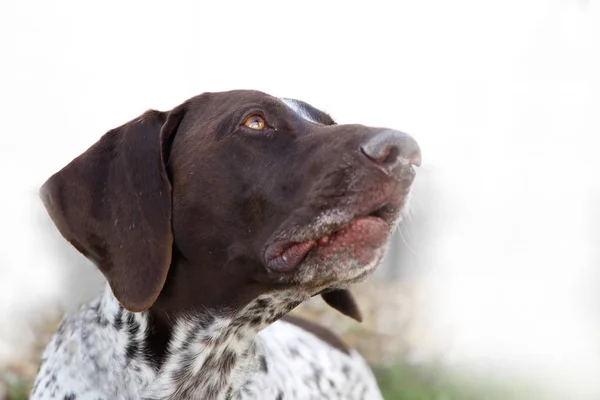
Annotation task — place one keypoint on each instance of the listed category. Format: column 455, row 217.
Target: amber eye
column 255, row 122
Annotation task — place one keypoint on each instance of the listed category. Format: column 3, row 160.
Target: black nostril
column 392, row 155
column 389, row 148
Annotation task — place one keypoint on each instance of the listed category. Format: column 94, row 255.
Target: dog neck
column 205, row 354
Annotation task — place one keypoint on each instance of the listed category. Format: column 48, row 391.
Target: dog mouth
column 356, row 237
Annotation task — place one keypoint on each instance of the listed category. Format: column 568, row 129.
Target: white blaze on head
column 299, row 109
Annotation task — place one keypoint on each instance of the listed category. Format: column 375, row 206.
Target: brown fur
column 177, row 208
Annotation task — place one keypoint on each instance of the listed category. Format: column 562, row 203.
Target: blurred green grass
column 18, row 391
column 404, row 382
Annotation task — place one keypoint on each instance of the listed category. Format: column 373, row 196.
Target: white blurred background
column 503, row 97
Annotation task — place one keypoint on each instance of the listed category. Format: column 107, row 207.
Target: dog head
column 232, row 195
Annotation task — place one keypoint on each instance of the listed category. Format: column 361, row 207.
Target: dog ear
column 343, row 301
column 113, row 204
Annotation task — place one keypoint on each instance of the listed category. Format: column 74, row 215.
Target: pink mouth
column 361, row 234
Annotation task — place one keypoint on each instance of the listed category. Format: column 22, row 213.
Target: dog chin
column 340, row 273
column 355, row 276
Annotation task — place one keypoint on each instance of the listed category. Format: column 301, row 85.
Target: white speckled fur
column 304, row 367
column 86, row 359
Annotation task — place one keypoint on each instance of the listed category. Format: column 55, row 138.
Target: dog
column 210, row 223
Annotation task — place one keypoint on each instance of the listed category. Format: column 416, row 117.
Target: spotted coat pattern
column 98, row 354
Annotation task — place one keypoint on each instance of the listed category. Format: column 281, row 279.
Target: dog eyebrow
column 308, row 112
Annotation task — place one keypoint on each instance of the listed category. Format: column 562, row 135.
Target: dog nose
column 390, row 148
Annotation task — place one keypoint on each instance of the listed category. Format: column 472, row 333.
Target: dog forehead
column 307, row 112
column 216, row 111
column 299, row 108
column 224, row 103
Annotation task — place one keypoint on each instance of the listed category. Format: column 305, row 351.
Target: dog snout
column 389, row 149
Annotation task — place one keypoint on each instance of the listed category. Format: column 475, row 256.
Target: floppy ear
column 343, row 301
column 113, row 203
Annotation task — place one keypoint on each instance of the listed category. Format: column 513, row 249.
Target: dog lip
column 286, row 255
column 295, row 240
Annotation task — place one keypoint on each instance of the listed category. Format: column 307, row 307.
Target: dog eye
column 255, row 122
